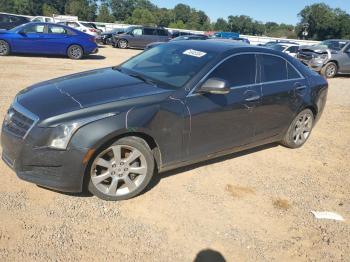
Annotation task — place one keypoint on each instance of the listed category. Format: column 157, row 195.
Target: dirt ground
column 251, row 206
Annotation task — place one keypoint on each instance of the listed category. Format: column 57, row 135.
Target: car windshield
column 15, row 29
column 334, row 45
column 278, row 47
column 170, row 64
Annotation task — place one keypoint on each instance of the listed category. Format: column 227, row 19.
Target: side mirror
column 22, row 33
column 215, row 86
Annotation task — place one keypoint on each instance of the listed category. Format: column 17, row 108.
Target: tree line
column 319, row 20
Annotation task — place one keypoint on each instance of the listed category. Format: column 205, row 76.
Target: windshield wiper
column 144, row 79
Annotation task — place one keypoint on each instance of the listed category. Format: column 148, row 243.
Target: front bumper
column 51, row 168
column 312, row 63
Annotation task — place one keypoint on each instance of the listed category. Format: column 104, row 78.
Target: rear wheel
column 4, row 48
column 330, row 70
column 75, row 52
column 122, row 171
column 123, row 44
column 300, row 130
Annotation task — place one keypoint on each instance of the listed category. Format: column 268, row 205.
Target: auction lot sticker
column 194, row 53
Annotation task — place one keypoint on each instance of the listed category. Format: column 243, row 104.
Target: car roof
column 220, row 46
column 288, row 44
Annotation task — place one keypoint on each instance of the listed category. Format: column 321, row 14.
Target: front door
column 221, row 122
column 31, row 39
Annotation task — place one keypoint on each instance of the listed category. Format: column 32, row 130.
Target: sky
column 280, row 11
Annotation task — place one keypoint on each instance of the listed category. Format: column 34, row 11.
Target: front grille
column 17, row 123
column 305, row 56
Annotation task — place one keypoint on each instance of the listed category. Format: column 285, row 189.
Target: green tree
column 142, row 17
column 84, row 9
column 323, row 22
column 49, row 10
column 104, row 14
column 221, row 25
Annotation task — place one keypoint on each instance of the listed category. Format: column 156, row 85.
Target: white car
column 44, row 19
column 82, row 26
column 288, row 48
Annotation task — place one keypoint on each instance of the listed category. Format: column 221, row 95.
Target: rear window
column 149, row 31
column 57, row 30
column 162, row 32
column 273, row 68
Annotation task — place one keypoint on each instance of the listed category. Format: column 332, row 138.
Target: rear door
column 163, row 35
column 283, row 88
column 57, row 39
column 31, row 39
column 150, row 35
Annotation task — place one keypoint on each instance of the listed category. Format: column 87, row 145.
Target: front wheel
column 330, row 70
column 300, row 130
column 123, row 44
column 4, row 48
column 122, row 171
column 75, row 52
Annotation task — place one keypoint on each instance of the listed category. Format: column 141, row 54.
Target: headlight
column 321, row 58
column 63, row 133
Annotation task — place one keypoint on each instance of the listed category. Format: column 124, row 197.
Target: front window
column 334, row 45
column 173, row 65
column 137, row 31
column 34, row 29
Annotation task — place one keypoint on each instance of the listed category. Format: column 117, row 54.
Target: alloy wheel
column 75, row 52
column 123, row 44
column 331, row 71
column 302, row 129
column 119, row 170
column 4, row 48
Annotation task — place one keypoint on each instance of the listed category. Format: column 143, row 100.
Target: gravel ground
column 251, row 206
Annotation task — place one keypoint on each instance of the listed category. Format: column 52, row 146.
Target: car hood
column 83, row 90
column 318, row 49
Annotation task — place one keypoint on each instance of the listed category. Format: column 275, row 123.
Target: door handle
column 253, row 98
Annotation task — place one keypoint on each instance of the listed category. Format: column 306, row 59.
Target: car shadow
column 159, row 176
column 88, row 57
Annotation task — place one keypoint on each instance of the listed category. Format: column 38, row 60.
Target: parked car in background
column 271, row 43
column 240, row 39
column 177, row 104
column 83, row 27
column 225, row 35
column 9, row 21
column 44, row 19
column 179, row 38
column 47, row 38
column 290, row 49
column 175, row 33
column 140, row 37
column 106, row 38
column 330, row 57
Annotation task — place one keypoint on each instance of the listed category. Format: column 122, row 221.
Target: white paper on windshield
column 194, row 53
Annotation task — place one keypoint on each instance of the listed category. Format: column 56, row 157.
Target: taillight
column 92, row 39
column 93, row 30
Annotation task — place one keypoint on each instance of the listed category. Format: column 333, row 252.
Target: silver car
column 330, row 57
column 140, row 37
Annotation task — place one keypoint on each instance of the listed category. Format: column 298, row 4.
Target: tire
column 123, row 44
column 4, row 48
column 111, row 173
column 300, row 129
column 330, row 70
column 75, row 52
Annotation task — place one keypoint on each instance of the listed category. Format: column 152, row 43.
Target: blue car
column 48, row 39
